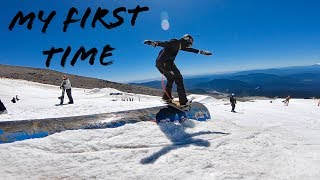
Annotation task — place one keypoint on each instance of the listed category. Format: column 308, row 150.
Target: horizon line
column 220, row 73
column 185, row 76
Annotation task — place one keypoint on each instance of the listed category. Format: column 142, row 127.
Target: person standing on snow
column 286, row 101
column 165, row 64
column 233, row 102
column 66, row 86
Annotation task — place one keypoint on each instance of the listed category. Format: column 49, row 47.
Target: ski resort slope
column 262, row 141
column 37, row 101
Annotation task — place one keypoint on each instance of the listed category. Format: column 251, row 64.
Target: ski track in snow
column 266, row 141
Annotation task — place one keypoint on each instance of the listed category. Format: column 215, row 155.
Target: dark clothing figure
column 286, row 101
column 3, row 109
column 13, row 100
column 66, row 86
column 172, row 73
column 165, row 64
column 171, row 48
column 68, row 91
column 233, row 102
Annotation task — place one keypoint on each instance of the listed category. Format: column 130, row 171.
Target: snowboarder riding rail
column 166, row 66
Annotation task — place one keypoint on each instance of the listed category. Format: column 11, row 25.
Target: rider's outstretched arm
column 197, row 51
column 165, row 44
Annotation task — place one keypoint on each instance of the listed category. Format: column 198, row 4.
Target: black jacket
column 233, row 100
column 171, row 49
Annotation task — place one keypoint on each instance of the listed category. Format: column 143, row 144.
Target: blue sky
column 242, row 35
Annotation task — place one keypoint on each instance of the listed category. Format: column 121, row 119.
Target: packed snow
column 37, row 101
column 263, row 140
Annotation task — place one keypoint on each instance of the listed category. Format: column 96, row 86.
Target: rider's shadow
column 176, row 134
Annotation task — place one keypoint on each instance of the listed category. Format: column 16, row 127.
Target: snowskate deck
column 175, row 104
column 197, row 111
column 61, row 97
column 178, row 107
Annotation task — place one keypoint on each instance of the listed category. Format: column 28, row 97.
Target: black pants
column 233, row 107
column 68, row 94
column 172, row 73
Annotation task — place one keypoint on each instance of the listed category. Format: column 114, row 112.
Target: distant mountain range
column 299, row 82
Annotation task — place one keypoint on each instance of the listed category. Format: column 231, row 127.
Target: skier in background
column 165, row 64
column 233, row 102
column 286, row 101
column 66, row 86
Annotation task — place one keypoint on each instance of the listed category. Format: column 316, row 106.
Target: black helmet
column 188, row 38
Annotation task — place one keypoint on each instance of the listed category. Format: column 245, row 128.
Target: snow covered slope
column 263, row 141
column 38, row 101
